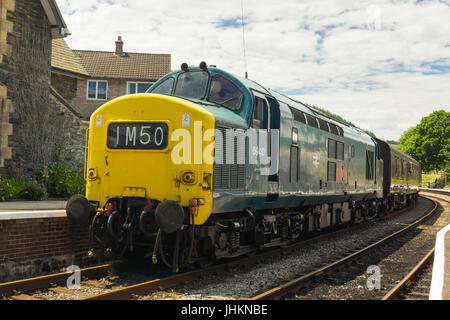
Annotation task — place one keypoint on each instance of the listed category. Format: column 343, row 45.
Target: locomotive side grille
column 228, row 176
column 221, row 177
column 237, row 179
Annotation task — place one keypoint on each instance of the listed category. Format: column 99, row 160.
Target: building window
column 97, row 90
column 138, row 87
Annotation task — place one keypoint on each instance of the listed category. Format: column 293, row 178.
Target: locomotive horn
column 184, row 66
column 169, row 216
column 78, row 209
column 203, row 66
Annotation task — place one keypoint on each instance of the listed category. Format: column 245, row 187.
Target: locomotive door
column 267, row 166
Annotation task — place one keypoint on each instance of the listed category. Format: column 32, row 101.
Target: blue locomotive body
column 282, row 170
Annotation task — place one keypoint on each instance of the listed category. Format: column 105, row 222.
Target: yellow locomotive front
column 147, row 153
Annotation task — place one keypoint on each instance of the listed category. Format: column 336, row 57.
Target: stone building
column 37, row 124
column 66, row 71
column 116, row 73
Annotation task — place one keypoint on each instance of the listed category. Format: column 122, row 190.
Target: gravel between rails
column 238, row 283
column 394, row 262
column 123, row 275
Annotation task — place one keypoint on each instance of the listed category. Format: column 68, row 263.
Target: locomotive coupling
column 78, row 210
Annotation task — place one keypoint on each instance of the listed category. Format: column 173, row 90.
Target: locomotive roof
column 349, row 131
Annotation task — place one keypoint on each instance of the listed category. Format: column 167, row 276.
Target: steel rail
column 43, row 282
column 281, row 291
column 395, row 292
column 172, row 281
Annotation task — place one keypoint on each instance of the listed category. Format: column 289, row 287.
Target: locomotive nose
column 169, row 216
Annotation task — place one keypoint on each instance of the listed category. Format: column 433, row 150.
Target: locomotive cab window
column 225, row 93
column 192, row 84
column 165, row 87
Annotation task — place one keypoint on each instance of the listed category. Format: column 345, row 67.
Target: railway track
column 305, row 280
column 18, row 288
column 416, row 284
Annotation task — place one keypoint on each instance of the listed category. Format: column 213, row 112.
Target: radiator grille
column 228, row 175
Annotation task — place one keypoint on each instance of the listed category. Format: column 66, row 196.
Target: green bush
column 33, row 191
column 10, row 188
column 56, row 179
column 61, row 180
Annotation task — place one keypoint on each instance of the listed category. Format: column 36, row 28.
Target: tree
column 429, row 141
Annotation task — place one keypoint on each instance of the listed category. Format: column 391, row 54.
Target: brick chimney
column 119, row 46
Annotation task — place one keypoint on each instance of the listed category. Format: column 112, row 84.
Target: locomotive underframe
column 128, row 228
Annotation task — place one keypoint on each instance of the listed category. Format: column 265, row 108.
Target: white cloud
column 371, row 63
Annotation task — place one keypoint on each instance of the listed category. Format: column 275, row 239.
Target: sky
column 382, row 65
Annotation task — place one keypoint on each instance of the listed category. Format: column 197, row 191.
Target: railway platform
column 37, row 238
column 440, row 283
column 13, row 210
column 14, row 206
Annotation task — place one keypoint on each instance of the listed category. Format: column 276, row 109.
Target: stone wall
column 72, row 131
column 6, row 106
column 40, row 125
column 66, row 86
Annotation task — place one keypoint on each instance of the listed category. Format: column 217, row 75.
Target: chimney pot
column 119, row 46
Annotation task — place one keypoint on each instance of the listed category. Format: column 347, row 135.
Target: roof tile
column 63, row 58
column 136, row 66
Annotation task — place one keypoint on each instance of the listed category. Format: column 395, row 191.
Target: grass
column 431, row 178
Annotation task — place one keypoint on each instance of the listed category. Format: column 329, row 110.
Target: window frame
column 208, row 93
column 96, row 90
column 160, row 84
column 205, row 93
column 137, row 82
column 266, row 110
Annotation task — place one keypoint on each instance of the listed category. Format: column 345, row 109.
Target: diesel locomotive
column 208, row 165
